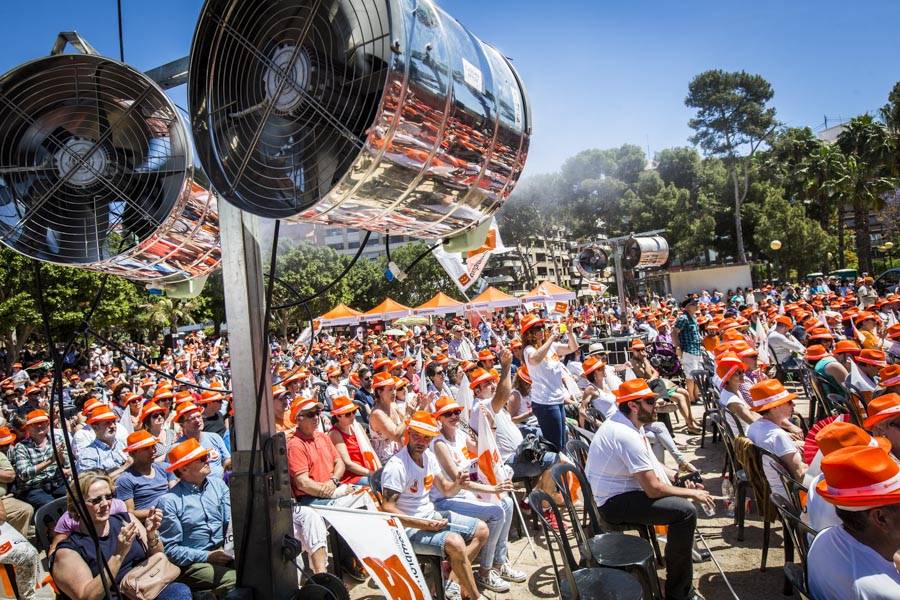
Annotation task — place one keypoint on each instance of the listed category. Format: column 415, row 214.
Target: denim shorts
column 431, row 543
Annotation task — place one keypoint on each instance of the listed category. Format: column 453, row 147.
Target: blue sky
column 598, row 74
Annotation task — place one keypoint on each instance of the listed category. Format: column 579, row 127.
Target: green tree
column 890, row 112
column 732, row 121
column 162, row 312
column 869, row 152
column 680, row 167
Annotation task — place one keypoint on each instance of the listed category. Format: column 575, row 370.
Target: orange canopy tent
column 548, row 292
column 340, row 315
column 492, row 298
column 387, row 311
column 440, row 304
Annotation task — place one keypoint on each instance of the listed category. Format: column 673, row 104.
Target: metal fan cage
column 96, row 171
column 384, row 115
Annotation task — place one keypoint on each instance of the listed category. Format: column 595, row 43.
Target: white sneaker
column 509, row 574
column 493, row 582
column 452, row 591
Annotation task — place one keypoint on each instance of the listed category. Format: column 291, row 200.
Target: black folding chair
column 614, row 549
column 711, row 411
column 739, row 479
column 585, row 583
column 798, row 534
column 577, row 450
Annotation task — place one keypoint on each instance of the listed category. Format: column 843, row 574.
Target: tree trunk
column 842, row 241
column 738, row 226
column 863, row 241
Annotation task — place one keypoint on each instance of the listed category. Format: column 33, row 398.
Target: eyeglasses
column 99, row 499
column 311, row 414
column 203, row 459
column 436, row 373
column 157, row 416
column 453, row 413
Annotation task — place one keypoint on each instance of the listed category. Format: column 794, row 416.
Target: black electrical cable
column 331, row 284
column 121, row 36
column 387, row 246
column 124, row 352
column 254, row 444
column 73, row 491
column 419, row 258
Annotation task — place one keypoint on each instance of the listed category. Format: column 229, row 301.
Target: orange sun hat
column 633, row 389
column 768, row 394
column 860, row 477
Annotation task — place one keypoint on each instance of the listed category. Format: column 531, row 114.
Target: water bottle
column 728, row 495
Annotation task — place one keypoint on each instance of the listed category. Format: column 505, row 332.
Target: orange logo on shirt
column 395, row 578
column 414, row 488
column 429, row 479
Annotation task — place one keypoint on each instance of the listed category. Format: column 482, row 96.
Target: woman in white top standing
column 454, row 451
column 543, row 352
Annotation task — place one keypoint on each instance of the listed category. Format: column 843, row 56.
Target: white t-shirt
column 820, row 514
column 506, row 434
column 547, row 376
column 333, row 391
column 402, row 474
column 727, row 398
column 605, row 403
column 767, row 435
column 458, row 455
column 617, row 453
column 841, row 568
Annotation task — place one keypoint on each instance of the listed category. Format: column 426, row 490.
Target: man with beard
column 631, row 486
column 105, row 453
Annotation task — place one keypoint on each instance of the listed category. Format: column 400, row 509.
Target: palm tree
column 824, row 172
column 169, row 312
column 868, row 150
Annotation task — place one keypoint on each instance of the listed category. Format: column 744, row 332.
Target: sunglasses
column 99, row 499
column 436, row 373
column 311, row 414
column 453, row 413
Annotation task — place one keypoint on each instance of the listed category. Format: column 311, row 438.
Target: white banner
column 454, row 266
column 379, row 541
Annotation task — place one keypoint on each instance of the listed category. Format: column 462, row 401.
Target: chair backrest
column 816, row 384
column 577, row 450
column 791, row 485
column 557, row 542
column 45, row 519
column 799, row 531
column 855, row 404
column 562, row 474
column 728, row 438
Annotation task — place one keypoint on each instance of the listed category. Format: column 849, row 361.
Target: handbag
column 146, row 580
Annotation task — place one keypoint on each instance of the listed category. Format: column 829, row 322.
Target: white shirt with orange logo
column 402, row 474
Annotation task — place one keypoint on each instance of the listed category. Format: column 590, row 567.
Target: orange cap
column 768, row 394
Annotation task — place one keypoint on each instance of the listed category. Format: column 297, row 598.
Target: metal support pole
column 620, row 277
column 267, row 574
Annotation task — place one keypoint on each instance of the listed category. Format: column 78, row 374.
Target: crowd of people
column 401, row 413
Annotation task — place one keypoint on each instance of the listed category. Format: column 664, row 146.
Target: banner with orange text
column 379, row 541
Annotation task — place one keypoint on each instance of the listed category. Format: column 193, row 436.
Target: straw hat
column 139, row 440
column 846, row 347
column 102, row 414
column 186, row 409
column 383, row 379
column 859, row 478
column 889, row 375
column 591, row 364
column 872, row 357
column 768, row 394
column 7, row 437
column 882, row 408
column 523, row 374
column 149, row 409
column 529, row 321
column 444, row 405
column 841, row 434
column 37, row 416
column 185, row 453
column 633, row 389
column 300, row 405
column 342, row 405
column 424, row 423
column 478, row 377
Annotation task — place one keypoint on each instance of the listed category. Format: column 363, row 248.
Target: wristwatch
column 335, row 481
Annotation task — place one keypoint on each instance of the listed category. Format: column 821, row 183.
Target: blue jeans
column 497, row 517
column 431, row 543
column 175, row 591
column 552, row 419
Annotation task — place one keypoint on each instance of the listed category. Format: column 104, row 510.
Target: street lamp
column 887, row 247
column 775, row 245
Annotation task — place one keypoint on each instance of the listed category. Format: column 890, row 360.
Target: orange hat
column 424, row 423
column 207, row 396
column 893, row 332
column 881, row 408
column 380, row 363
column 732, row 335
column 860, row 477
column 129, row 398
column 516, row 343
column 183, row 395
column 783, row 320
column 300, row 405
column 820, row 333
column 383, row 379
column 591, row 364
column 102, row 414
column 444, row 405
column 185, row 453
column 743, row 349
column 89, row 405
column 637, row 344
column 727, row 365
column 872, row 357
column 529, row 321
column 163, row 395
column 140, row 439
column 523, row 374
column 768, row 394
column 889, row 375
column 394, row 364
column 486, row 355
column 37, row 416
column 816, row 352
column 401, row 382
column 334, row 372
column 478, row 377
column 866, row 316
column 341, row 405
column 467, row 365
column 278, row 390
column 188, row 408
column 149, row 409
column 633, row 389
column 840, row 434
column 846, row 347
column 7, row 437
column 408, row 362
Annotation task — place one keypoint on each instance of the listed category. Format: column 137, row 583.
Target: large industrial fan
column 385, row 115
column 591, row 261
column 645, row 252
column 96, row 171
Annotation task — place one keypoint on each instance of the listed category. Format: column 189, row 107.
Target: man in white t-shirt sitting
column 632, row 487
column 735, row 411
column 855, row 560
column 406, row 482
column 774, row 404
